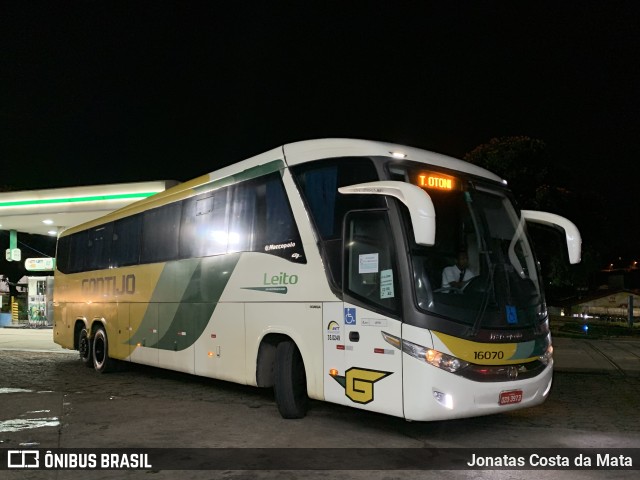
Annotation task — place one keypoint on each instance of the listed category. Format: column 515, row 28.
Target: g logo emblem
column 358, row 383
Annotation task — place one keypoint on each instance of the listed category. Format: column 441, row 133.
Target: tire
column 85, row 348
column 100, row 350
column 290, row 382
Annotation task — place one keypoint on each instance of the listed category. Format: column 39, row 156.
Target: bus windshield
column 481, row 271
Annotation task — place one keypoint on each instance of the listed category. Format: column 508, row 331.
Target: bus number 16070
column 488, row 355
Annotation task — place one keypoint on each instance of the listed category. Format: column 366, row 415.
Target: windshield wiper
column 489, row 290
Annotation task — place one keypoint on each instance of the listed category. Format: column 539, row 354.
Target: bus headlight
column 444, row 361
column 427, row 355
column 443, row 399
column 547, row 356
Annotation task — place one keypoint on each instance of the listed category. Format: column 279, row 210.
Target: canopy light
column 93, row 198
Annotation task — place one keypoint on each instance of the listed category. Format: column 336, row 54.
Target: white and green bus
column 316, row 269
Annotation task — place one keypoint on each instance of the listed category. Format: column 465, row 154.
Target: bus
column 316, row 269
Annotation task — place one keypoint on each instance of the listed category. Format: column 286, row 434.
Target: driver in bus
column 457, row 275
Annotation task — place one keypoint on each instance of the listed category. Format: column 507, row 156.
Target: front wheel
column 84, row 348
column 101, row 360
column 290, row 382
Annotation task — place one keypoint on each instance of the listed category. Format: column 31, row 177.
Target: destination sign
column 436, row 181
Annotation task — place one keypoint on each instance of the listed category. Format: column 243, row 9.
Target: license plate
column 512, row 396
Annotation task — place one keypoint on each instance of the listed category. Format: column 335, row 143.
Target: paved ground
column 615, row 355
column 33, row 339
column 50, row 400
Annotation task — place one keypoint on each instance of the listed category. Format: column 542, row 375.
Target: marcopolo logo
column 279, row 246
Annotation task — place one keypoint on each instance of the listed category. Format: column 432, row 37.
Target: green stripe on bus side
column 247, row 174
column 200, row 283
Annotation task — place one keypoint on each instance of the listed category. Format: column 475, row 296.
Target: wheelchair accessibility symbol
column 349, row 316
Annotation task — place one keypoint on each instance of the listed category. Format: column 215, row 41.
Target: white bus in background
column 315, row 268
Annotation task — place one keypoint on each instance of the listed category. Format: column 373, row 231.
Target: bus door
column 370, row 375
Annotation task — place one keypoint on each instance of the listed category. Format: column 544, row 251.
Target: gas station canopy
column 49, row 212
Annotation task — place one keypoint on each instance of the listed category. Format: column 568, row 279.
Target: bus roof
column 308, row 150
column 288, row 155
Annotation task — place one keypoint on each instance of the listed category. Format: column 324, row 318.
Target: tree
column 521, row 160
column 540, row 183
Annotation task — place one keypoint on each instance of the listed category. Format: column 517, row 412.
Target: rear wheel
column 290, row 382
column 101, row 360
column 84, row 347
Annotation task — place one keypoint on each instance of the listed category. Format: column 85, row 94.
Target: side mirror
column 421, row 211
column 572, row 234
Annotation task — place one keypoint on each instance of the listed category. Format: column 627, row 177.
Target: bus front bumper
column 440, row 395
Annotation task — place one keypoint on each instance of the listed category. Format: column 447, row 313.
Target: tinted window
column 99, row 247
column 77, row 251
column 250, row 216
column 280, row 226
column 370, row 269
column 62, row 254
column 125, row 249
column 319, row 182
column 242, row 218
column 204, row 225
column 160, row 229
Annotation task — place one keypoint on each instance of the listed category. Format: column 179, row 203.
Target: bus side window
column 160, row 228
column 125, row 247
column 99, row 247
column 275, row 224
column 204, row 226
column 319, row 182
column 370, row 269
column 78, row 251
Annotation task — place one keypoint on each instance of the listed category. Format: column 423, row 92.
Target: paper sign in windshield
column 368, row 263
column 386, row 284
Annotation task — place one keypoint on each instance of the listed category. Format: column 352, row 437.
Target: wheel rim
column 99, row 349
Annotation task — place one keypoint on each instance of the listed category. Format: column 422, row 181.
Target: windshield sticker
column 368, row 263
column 512, row 315
column 386, row 284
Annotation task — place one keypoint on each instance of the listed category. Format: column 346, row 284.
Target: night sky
column 96, row 92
